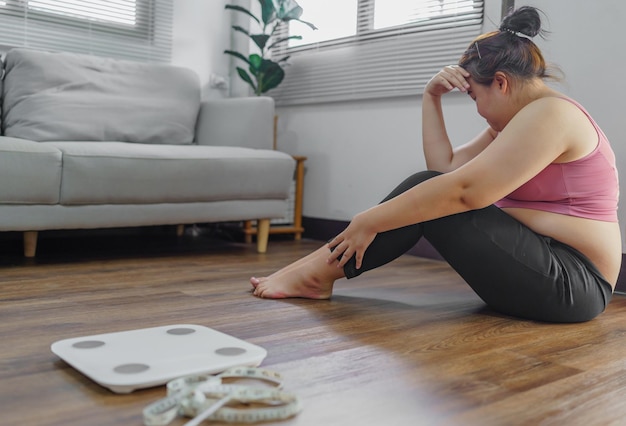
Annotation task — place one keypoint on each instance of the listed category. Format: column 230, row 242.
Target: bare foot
column 310, row 277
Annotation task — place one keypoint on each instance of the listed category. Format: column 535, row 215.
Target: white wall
column 358, row 151
column 201, row 34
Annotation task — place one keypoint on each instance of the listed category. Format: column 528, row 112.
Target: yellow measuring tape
column 206, row 397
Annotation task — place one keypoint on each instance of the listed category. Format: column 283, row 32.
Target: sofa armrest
column 246, row 122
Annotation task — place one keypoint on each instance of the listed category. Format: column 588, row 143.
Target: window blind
column 380, row 62
column 124, row 29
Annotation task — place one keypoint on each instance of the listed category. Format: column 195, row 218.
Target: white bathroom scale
column 136, row 359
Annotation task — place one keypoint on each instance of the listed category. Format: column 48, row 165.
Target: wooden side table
column 296, row 227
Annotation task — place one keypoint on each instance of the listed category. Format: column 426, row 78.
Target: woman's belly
column 600, row 241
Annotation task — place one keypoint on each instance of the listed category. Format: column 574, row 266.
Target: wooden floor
column 408, row 344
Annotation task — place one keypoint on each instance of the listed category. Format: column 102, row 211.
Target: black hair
column 509, row 50
column 526, row 20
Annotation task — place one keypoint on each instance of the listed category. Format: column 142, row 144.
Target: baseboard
column 325, row 229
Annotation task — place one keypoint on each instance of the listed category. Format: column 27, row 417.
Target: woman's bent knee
column 412, row 181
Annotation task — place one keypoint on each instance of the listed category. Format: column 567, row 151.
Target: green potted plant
column 263, row 73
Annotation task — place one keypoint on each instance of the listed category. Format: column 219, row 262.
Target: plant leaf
column 284, row 39
column 241, row 30
column 260, row 40
column 313, row 27
column 268, row 11
column 255, row 62
column 270, row 75
column 241, row 9
column 245, row 77
column 237, row 55
column 288, row 10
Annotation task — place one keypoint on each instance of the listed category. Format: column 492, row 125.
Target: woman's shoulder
column 554, row 112
column 557, row 101
column 554, row 100
column 557, row 109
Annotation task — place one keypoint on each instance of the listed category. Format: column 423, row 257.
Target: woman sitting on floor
column 526, row 212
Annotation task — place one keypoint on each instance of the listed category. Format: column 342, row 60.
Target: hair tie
column 517, row 33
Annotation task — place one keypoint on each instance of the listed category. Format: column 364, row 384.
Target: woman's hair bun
column 525, row 20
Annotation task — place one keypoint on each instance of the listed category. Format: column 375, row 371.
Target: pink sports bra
column 587, row 187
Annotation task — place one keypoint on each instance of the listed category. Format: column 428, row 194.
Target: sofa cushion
column 66, row 96
column 31, row 172
column 121, row 173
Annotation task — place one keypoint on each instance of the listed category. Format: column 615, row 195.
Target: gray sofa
column 91, row 142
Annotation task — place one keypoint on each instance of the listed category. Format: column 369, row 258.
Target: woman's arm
column 534, row 138
column 438, row 151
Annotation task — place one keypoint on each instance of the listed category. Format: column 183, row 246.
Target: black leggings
column 514, row 270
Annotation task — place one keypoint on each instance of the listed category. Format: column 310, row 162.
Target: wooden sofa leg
column 30, row 243
column 247, row 229
column 263, row 235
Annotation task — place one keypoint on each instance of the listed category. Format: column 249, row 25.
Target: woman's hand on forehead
column 446, row 80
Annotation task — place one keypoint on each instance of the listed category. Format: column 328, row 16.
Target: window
column 365, row 49
column 125, row 29
column 334, row 20
column 122, row 12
